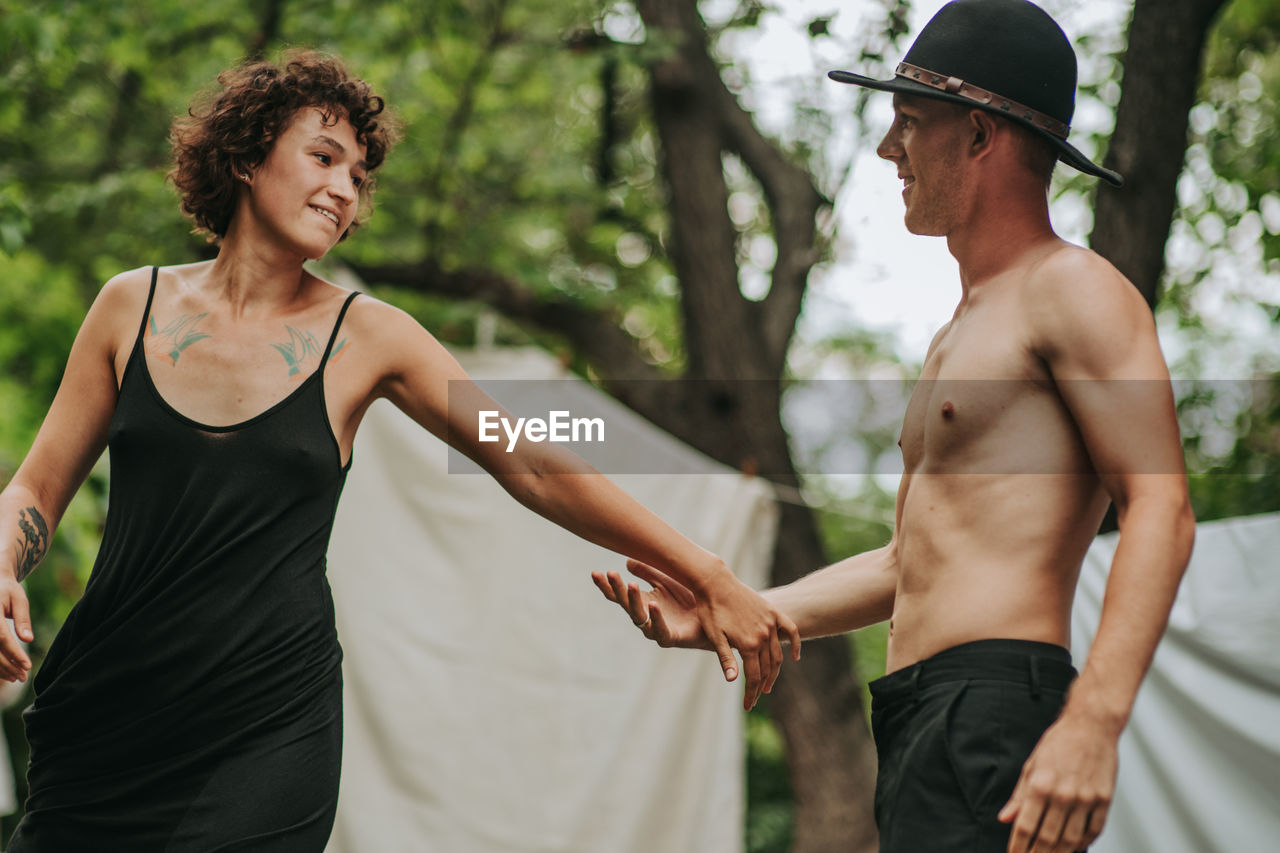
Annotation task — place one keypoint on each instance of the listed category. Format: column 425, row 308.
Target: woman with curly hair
column 192, row 699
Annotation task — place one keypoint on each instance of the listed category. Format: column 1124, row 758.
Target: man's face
column 927, row 143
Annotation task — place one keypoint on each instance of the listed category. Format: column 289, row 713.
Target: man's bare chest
column 981, row 388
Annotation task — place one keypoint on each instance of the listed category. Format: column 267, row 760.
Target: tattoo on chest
column 170, row 340
column 34, row 541
column 302, row 352
column 301, row 348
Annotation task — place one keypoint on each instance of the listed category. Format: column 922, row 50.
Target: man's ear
column 983, row 128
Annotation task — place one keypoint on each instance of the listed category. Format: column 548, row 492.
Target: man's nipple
column 948, row 410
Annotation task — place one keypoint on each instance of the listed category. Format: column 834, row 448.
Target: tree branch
column 597, row 335
column 268, row 28
column 129, row 87
column 794, row 203
column 721, row 329
column 687, row 85
column 451, row 140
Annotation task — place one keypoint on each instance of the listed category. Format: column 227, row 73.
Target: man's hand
column 1061, row 800
column 666, row 614
column 731, row 616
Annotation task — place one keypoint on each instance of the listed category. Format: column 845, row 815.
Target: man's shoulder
column 1077, row 302
column 1070, row 271
column 1076, row 286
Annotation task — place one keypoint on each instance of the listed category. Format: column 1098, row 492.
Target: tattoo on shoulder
column 34, row 541
column 171, row 339
column 302, row 352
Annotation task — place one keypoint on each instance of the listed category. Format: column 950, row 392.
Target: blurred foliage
column 1219, row 309
column 770, row 822
column 1222, row 285
column 1233, row 453
column 1242, row 87
column 528, row 151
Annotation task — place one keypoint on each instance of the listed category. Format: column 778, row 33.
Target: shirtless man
column 1043, row 399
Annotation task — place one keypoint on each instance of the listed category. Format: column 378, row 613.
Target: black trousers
column 952, row 733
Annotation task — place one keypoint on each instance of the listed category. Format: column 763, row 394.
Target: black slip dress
column 192, row 700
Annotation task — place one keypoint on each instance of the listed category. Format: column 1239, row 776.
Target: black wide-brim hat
column 1006, row 56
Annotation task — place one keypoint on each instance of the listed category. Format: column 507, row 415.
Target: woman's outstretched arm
column 425, row 382
column 68, row 444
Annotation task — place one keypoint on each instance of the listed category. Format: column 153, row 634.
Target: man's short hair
column 233, row 130
column 1038, row 154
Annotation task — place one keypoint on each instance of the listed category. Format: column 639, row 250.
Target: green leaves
column 15, row 224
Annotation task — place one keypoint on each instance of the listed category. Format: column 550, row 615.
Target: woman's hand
column 730, row 616
column 14, row 661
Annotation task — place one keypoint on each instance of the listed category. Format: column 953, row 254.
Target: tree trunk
column 817, row 704
column 1161, row 73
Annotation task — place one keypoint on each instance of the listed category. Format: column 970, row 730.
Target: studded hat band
column 956, row 86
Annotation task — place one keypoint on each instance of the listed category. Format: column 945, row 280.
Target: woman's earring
column 244, row 176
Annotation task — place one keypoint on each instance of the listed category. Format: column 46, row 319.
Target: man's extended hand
column 1061, row 800
column 665, row 614
column 670, row 615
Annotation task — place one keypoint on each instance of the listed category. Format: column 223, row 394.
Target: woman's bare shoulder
column 377, row 318
column 123, row 296
column 129, row 282
column 393, row 340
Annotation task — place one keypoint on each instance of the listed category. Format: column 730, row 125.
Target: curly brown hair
column 233, row 130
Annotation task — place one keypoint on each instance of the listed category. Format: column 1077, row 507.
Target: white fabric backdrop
column 494, row 701
column 1200, row 760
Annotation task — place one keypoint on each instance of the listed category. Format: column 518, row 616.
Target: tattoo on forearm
column 34, row 541
column 175, row 336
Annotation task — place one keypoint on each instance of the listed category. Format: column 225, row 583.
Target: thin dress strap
column 333, row 336
column 146, row 312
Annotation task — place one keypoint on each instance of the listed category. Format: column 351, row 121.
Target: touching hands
column 666, row 614
column 731, row 615
column 1061, row 800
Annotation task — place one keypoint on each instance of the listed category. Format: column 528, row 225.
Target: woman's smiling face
column 306, row 193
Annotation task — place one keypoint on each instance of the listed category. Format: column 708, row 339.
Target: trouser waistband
column 1017, row 661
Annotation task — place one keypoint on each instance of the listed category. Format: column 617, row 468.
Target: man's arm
column 1097, row 336
column 851, row 594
